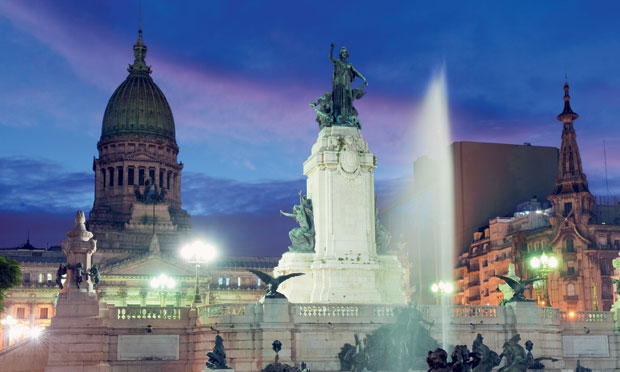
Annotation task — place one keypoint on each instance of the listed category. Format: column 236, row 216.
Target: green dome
column 138, row 107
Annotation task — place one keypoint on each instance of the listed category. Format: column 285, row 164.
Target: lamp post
column 197, row 253
column 442, row 288
column 7, row 324
column 162, row 282
column 543, row 265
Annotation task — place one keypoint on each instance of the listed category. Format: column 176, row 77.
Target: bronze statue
column 78, row 274
column 61, row 274
column 302, row 237
column 273, row 283
column 217, row 357
column 341, row 110
column 488, row 358
column 518, row 287
column 581, row 368
column 382, row 236
column 93, row 273
column 535, row 363
column 437, row 361
column 324, row 114
column 151, row 194
column 276, row 366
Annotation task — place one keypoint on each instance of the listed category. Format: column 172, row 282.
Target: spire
column 139, row 51
column 567, row 115
column 571, row 178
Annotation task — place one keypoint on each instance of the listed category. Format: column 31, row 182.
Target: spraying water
column 435, row 189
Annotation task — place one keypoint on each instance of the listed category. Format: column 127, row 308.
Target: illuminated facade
column 582, row 234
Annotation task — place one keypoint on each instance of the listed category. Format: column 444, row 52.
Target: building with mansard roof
column 584, row 236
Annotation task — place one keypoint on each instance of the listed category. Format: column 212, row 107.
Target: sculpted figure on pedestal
column 337, row 105
column 302, row 237
column 273, row 283
column 217, row 357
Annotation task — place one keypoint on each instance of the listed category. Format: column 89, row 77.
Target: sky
column 239, row 76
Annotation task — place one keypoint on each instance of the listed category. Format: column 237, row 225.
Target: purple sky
column 239, row 77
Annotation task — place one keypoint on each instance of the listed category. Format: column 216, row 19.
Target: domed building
column 137, row 177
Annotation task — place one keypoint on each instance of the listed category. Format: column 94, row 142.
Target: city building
column 489, row 179
column 136, row 240
column 583, row 236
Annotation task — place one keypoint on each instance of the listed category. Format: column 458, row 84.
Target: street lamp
column 162, row 282
column 198, row 252
column 544, row 265
column 7, row 324
column 442, row 288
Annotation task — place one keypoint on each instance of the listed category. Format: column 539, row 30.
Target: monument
column 338, row 248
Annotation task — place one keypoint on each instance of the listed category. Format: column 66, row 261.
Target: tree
column 10, row 275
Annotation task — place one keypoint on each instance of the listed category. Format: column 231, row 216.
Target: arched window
column 569, row 245
column 103, row 176
column 570, row 290
column 40, row 278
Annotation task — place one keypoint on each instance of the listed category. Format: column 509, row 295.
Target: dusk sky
column 239, row 76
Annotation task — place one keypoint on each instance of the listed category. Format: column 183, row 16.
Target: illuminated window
column 258, row 282
column 40, row 278
column 239, row 282
column 220, row 280
column 227, row 281
column 49, row 277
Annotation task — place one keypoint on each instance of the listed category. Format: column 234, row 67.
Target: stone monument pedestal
column 345, row 267
column 298, row 289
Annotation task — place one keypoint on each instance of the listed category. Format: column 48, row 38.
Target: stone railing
column 586, row 316
column 473, row 311
column 242, row 312
column 149, row 312
column 326, row 310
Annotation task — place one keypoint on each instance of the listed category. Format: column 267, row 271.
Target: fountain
column 436, row 209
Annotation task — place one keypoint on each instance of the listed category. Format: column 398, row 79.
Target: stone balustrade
column 586, row 316
column 243, row 313
column 149, row 312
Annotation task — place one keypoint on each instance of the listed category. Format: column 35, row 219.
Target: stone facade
column 137, row 147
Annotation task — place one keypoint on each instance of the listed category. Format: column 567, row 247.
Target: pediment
column 142, row 156
column 150, row 265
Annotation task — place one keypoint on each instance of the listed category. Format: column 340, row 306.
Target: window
column 227, row 281
column 161, row 178
column 120, row 176
column 220, row 281
column 103, row 177
column 152, row 175
column 141, row 176
column 570, row 245
column 40, row 278
column 111, row 171
column 168, row 180
column 21, row 313
column 49, row 277
column 568, row 206
column 258, row 282
column 239, row 282
column 43, row 313
column 26, row 277
column 130, row 175
column 570, row 290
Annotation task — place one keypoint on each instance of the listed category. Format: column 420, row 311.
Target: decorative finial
column 567, row 115
column 139, row 51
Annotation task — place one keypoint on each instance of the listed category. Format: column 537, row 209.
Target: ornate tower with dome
column 137, row 159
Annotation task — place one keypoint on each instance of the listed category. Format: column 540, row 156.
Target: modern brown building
column 583, row 235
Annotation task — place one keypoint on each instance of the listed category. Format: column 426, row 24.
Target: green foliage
column 10, row 275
